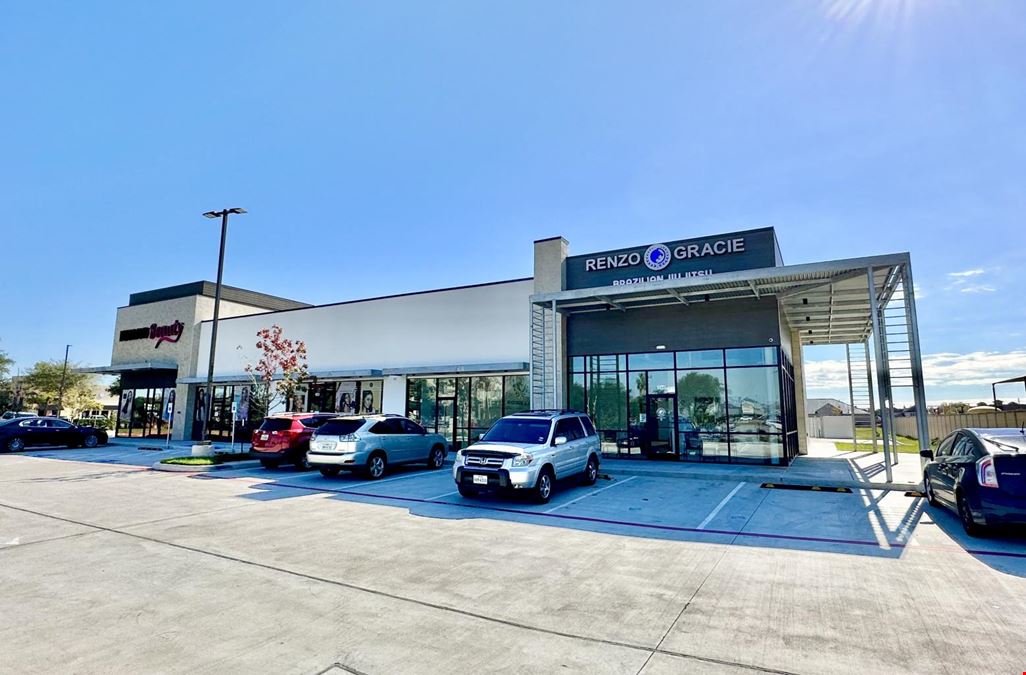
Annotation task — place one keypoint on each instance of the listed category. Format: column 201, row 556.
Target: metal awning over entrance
column 866, row 304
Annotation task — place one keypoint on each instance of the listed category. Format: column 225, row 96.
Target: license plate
column 263, row 437
column 480, row 480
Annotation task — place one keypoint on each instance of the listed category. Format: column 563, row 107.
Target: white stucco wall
column 474, row 325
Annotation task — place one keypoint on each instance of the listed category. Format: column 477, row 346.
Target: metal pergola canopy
column 827, row 302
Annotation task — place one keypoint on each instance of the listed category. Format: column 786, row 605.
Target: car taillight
column 986, row 474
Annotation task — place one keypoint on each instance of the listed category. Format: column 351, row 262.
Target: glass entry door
column 661, row 425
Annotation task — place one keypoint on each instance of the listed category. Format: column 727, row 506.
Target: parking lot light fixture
column 209, row 392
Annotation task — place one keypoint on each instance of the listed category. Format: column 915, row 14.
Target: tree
column 6, row 387
column 701, row 400
column 114, row 388
column 278, row 372
column 41, row 386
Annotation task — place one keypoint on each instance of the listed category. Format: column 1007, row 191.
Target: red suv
column 285, row 438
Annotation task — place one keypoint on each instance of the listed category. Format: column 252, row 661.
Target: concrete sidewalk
column 824, row 465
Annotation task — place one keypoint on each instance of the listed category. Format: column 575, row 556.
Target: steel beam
column 880, row 372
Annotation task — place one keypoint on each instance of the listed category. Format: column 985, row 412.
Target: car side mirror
column 926, row 454
column 559, row 440
column 478, row 437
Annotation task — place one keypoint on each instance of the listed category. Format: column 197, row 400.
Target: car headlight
column 523, row 460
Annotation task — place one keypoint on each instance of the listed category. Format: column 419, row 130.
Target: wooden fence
column 942, row 425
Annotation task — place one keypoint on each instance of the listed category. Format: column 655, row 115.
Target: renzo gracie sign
column 674, row 260
column 159, row 334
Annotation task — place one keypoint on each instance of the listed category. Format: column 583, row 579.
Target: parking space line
column 447, row 494
column 594, row 492
column 414, row 474
column 708, row 519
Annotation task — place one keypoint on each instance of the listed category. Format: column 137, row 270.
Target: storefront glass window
column 728, row 404
column 709, row 358
column 650, row 361
column 486, row 402
column 701, row 400
column 753, row 399
column 517, row 395
column 755, row 356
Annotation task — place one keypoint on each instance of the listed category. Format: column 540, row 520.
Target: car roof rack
column 546, row 412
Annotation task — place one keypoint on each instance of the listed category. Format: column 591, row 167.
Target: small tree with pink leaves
column 279, row 371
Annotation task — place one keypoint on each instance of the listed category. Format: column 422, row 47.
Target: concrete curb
column 185, row 468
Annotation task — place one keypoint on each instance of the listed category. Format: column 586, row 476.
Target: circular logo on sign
column 657, row 257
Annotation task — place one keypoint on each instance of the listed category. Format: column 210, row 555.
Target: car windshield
column 518, row 431
column 340, row 427
column 276, row 424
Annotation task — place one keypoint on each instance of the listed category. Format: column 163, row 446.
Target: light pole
column 209, row 392
column 64, row 376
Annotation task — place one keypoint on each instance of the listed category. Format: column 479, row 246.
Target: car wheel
column 543, row 488
column 965, row 515
column 376, row 466
column 15, row 444
column 931, row 497
column 269, row 463
column 329, row 471
column 90, row 441
column 590, row 471
column 466, row 491
column 301, row 463
column 437, row 458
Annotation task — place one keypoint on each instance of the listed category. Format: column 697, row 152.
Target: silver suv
column 528, row 452
column 370, row 443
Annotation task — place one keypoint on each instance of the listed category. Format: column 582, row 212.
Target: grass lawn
column 905, row 443
column 206, row 461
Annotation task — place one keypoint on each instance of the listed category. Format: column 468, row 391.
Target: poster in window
column 370, row 397
column 345, row 398
column 125, row 408
column 168, row 405
column 243, row 410
column 200, row 411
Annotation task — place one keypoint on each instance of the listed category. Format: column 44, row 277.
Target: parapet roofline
column 389, row 297
column 208, row 288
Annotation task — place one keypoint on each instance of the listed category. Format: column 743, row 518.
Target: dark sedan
column 18, row 434
column 980, row 474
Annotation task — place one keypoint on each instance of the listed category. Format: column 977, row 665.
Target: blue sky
column 387, row 147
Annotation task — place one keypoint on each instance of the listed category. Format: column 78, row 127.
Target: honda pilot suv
column 528, row 452
column 371, row 443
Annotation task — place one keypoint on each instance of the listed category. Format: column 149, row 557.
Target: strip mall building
column 689, row 348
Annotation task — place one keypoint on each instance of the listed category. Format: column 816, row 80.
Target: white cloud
column 943, row 369
column 978, row 288
column 966, row 274
column 969, row 281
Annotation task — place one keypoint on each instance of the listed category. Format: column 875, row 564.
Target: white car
column 528, row 452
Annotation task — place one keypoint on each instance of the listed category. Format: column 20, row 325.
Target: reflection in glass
column 653, row 360
column 701, row 401
column 753, row 356
column 576, row 397
column 754, row 400
column 756, row 448
column 577, row 364
column 486, row 402
column 709, row 358
column 607, row 400
column 714, row 448
column 661, row 382
column 518, row 396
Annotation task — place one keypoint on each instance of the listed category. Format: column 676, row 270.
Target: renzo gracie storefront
column 686, row 349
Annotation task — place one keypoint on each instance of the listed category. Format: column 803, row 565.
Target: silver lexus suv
column 528, row 452
column 371, row 443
